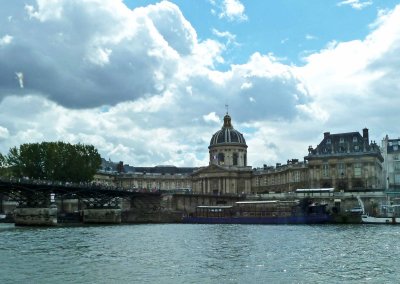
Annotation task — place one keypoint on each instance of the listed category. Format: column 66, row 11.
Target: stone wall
column 35, row 216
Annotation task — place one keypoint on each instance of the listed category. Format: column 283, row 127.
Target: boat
column 261, row 212
column 388, row 214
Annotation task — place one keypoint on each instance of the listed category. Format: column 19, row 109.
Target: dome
column 227, row 135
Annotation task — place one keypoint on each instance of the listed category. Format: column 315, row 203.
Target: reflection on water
column 184, row 253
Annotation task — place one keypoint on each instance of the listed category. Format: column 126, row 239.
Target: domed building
column 227, row 146
column 227, row 172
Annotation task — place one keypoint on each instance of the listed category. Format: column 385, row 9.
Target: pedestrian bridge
column 36, row 200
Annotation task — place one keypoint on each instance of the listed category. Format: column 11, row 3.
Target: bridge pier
column 102, row 216
column 35, row 216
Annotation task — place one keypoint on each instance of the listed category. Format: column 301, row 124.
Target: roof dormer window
column 328, row 141
column 355, row 139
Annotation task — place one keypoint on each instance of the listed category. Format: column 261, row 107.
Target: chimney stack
column 365, row 134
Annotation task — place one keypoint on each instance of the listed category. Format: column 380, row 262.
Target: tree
column 54, row 161
column 4, row 171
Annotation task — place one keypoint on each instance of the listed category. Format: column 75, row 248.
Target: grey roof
column 340, row 144
column 227, row 135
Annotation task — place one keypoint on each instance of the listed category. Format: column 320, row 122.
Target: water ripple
column 181, row 253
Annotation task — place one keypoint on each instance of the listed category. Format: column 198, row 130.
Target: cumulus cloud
column 89, row 53
column 140, row 86
column 355, row 81
column 232, row 10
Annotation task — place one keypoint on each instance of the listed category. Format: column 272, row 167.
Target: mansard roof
column 344, row 144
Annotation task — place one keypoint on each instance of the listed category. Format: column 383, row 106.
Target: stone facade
column 391, row 165
column 227, row 172
column 345, row 161
column 222, row 180
column 154, row 181
column 282, row 178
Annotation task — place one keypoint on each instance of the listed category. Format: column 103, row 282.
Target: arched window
column 221, row 158
column 235, row 159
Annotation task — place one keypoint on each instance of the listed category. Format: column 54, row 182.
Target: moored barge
column 262, row 212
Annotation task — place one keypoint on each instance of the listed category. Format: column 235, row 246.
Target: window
column 235, row 159
column 325, row 170
column 221, row 158
column 397, row 179
column 357, row 170
column 356, row 148
column 296, row 176
column 397, row 166
column 328, row 141
column 341, row 140
column 355, row 139
column 341, row 168
column 395, row 147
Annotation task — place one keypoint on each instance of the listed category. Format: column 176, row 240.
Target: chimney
column 365, row 134
column 326, row 134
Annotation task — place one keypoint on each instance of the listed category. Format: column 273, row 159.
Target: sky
column 147, row 82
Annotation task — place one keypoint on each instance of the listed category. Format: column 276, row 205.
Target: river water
column 184, row 253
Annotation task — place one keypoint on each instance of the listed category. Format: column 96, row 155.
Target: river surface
column 184, row 253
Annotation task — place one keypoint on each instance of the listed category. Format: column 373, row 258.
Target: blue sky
column 289, row 29
column 146, row 82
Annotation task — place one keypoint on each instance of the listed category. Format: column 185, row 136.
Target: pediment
column 211, row 169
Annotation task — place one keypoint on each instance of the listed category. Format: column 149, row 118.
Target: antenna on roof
column 227, row 108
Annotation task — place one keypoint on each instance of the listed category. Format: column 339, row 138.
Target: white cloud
column 148, row 93
column 211, row 117
column 4, row 133
column 87, row 53
column 356, row 4
column 354, row 82
column 310, row 37
column 7, row 39
column 233, row 10
column 230, row 38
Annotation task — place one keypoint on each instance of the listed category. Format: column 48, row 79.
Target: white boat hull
column 379, row 220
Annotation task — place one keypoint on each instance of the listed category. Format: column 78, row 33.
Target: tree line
column 55, row 161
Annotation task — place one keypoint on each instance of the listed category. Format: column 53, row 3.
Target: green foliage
column 56, row 161
column 2, row 161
